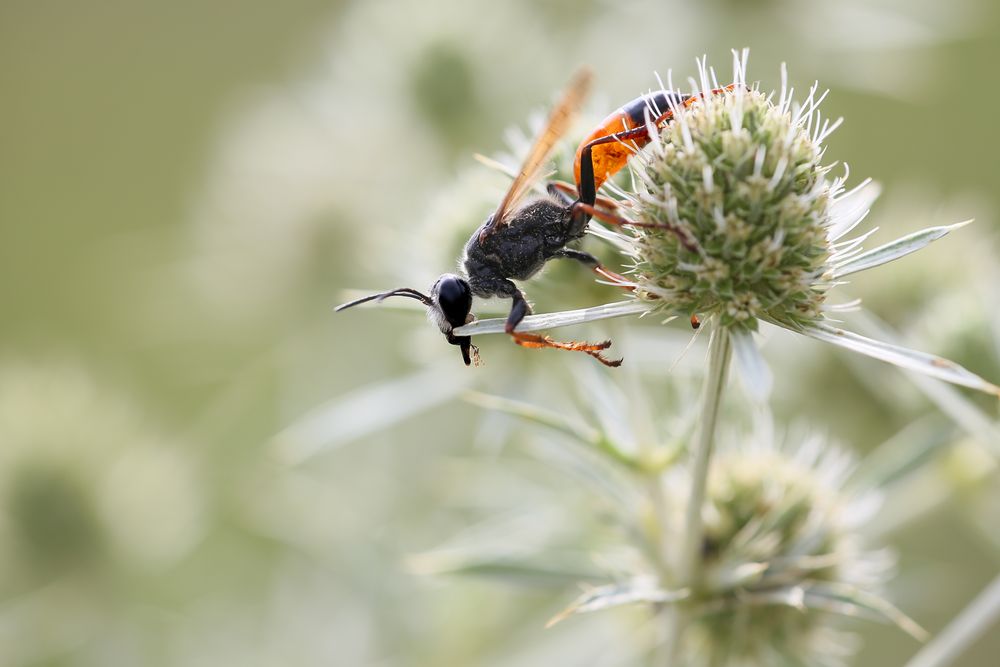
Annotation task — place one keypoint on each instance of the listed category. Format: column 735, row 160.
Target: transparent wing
column 555, row 128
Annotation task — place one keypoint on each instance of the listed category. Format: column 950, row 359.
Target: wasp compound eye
column 455, row 299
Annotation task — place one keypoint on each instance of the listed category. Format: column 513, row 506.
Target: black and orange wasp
column 516, row 241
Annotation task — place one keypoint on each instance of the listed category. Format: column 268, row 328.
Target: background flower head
column 784, row 553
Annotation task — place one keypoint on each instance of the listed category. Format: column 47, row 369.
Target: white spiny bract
column 741, row 184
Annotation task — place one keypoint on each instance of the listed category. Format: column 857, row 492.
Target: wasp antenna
column 402, row 291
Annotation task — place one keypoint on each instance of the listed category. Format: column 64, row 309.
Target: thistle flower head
column 744, row 203
column 782, row 550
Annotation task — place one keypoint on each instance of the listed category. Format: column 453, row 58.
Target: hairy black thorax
column 520, row 248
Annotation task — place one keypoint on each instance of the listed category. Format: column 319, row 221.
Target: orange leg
column 621, row 281
column 519, row 308
column 537, row 342
column 570, row 190
column 612, row 219
column 617, row 278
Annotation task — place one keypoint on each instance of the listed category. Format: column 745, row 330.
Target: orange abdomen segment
column 609, row 158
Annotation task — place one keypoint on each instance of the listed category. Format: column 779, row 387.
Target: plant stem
column 662, row 654
column 965, row 629
column 719, row 352
column 689, row 565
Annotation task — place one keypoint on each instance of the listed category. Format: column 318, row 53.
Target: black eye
column 455, row 299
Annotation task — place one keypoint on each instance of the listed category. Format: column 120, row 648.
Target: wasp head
column 449, row 306
column 452, row 298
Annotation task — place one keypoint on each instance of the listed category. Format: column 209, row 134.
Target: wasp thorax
column 740, row 184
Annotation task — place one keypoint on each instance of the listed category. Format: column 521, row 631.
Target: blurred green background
column 201, row 465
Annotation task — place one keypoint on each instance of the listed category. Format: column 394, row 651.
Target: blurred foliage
column 185, row 190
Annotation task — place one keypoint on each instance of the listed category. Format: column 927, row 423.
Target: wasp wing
column 558, row 122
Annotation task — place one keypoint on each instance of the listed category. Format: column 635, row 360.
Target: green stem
column 660, row 530
column 689, row 566
column 963, row 630
column 719, row 352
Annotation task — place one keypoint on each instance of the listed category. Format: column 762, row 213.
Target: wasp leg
column 519, row 308
column 594, row 265
column 562, row 191
column 612, row 219
column 588, row 182
column 617, row 279
column 584, row 258
column 535, row 341
column 567, row 193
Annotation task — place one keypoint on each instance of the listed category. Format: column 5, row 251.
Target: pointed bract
column 894, row 250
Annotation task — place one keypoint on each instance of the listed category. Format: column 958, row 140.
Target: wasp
column 516, row 241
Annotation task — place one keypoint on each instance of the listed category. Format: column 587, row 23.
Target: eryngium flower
column 781, row 552
column 785, row 546
column 744, row 223
column 740, row 183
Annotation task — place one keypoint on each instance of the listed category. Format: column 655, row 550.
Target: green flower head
column 745, row 207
